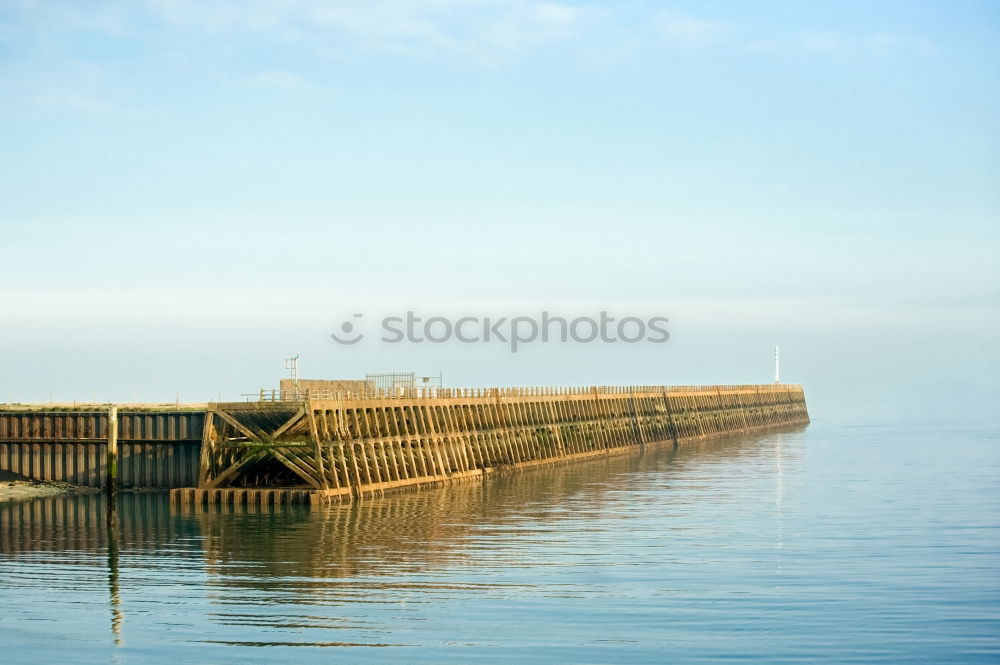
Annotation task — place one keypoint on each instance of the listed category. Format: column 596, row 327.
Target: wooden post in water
column 111, row 465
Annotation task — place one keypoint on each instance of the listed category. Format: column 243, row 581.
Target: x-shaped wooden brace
column 268, row 447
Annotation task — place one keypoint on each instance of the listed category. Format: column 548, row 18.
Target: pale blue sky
column 191, row 193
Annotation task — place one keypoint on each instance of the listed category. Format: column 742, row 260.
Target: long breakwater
column 340, row 446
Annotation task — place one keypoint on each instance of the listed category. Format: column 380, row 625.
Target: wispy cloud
column 78, row 102
column 901, row 43
column 68, row 16
column 765, row 46
column 554, row 14
column 279, row 80
column 821, row 42
column 476, row 26
column 74, row 86
column 485, row 30
column 831, row 42
column 680, row 30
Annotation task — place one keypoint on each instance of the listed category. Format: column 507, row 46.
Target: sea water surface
column 828, row 544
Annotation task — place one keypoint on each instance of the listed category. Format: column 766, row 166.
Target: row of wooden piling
column 240, row 496
column 354, row 447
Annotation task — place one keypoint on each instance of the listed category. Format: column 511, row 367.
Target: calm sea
column 831, row 544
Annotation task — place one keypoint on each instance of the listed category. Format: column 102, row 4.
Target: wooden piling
column 111, row 463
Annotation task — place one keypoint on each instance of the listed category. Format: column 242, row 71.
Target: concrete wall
column 323, row 386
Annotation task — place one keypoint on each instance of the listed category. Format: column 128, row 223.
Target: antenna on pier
column 292, row 365
column 777, row 365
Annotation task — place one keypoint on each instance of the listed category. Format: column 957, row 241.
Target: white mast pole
column 777, row 365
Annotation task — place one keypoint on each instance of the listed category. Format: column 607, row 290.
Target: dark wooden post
column 111, row 463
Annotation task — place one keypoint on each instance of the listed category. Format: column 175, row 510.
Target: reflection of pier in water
column 78, row 522
column 282, row 555
column 409, row 529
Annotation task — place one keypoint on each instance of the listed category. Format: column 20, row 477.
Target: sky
column 193, row 192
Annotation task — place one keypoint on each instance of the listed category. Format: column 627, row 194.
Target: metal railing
column 277, row 395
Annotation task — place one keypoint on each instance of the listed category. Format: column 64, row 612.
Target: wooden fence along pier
column 325, row 446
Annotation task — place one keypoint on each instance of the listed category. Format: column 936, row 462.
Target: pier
column 322, row 446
